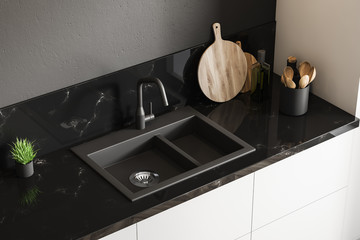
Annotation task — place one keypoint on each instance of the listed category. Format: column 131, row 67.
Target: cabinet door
column 246, row 237
column 128, row 233
column 301, row 179
column 223, row 213
column 320, row 220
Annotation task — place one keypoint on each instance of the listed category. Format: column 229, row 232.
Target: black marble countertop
column 66, row 199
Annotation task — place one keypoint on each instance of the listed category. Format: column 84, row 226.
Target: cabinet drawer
column 128, row 233
column 224, row 213
column 246, row 237
column 296, row 181
column 322, row 219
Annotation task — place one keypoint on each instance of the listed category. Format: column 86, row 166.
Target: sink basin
column 172, row 148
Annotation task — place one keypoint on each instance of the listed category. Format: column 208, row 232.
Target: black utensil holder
column 294, row 102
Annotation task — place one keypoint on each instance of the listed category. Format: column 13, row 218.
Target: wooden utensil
column 250, row 60
column 304, row 81
column 288, row 73
column 312, row 74
column 222, row 69
column 304, row 68
column 283, row 79
column 290, row 83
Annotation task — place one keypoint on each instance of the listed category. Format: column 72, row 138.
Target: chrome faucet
column 141, row 118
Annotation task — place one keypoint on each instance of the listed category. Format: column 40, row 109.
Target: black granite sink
column 172, row 148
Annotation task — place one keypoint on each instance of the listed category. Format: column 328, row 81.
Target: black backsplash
column 84, row 111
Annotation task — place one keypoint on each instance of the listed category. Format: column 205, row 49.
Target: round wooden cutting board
column 222, row 69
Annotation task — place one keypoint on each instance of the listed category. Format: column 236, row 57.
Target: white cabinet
column 320, row 220
column 301, row 179
column 128, row 233
column 223, row 213
column 300, row 197
column 246, row 237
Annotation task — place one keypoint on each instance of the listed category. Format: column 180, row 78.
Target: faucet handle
column 141, row 118
column 149, row 116
column 150, row 108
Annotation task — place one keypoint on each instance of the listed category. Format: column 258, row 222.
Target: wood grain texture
column 222, row 69
column 250, row 60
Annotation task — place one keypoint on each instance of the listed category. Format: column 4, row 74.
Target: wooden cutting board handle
column 222, row 69
column 217, row 32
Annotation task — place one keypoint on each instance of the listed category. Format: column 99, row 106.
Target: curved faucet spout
column 141, row 118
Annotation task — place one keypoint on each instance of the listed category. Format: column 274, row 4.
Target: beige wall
column 327, row 34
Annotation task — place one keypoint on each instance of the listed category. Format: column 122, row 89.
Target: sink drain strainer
column 144, row 178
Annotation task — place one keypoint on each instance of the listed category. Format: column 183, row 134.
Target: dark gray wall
column 48, row 45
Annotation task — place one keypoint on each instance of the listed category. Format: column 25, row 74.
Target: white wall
column 327, row 34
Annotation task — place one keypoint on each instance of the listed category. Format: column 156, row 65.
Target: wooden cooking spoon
column 290, row 83
column 283, row 80
column 312, row 74
column 304, row 68
column 288, row 75
column 304, row 81
column 222, row 69
column 288, row 72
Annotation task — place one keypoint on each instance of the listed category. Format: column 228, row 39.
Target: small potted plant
column 23, row 152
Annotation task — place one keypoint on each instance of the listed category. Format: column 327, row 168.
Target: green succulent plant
column 23, row 151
